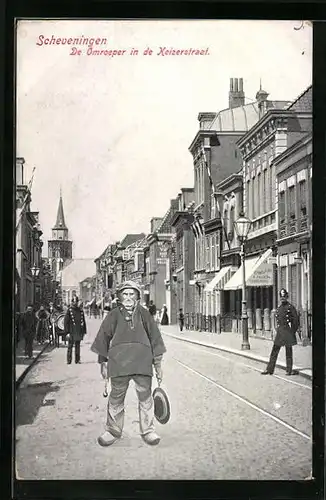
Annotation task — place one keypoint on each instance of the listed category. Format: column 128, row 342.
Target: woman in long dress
column 165, row 318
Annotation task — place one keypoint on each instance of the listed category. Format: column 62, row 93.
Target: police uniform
column 75, row 326
column 287, row 323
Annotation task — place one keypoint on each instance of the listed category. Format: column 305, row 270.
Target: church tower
column 59, row 247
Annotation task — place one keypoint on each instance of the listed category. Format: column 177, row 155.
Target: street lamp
column 242, row 227
column 35, row 272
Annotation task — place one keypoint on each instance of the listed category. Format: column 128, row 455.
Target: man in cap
column 287, row 323
column 128, row 344
column 75, row 328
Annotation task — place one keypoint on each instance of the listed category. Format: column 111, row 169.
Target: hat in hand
column 161, row 405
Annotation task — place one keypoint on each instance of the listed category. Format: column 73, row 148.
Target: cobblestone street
column 227, row 421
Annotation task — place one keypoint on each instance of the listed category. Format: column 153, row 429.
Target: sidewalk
column 259, row 348
column 23, row 364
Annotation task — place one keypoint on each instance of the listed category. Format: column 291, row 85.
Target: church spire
column 60, row 222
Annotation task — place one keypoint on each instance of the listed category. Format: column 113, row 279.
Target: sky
column 114, row 132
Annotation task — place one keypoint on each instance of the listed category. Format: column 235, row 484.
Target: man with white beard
column 128, row 345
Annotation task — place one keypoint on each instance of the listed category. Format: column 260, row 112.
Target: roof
column 303, row 103
column 76, row 271
column 131, row 238
column 60, row 222
column 241, row 118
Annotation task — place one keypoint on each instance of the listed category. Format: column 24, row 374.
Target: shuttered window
column 293, row 284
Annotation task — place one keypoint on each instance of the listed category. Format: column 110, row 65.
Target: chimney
column 236, row 94
column 20, row 171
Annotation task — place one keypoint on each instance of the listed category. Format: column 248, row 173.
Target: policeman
column 287, row 323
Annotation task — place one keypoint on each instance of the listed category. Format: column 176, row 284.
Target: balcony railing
column 293, row 226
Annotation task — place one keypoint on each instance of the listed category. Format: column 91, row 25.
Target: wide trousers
column 116, row 404
column 29, row 338
column 71, row 343
column 273, row 358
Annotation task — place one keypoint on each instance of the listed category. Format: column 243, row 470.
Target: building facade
column 216, row 156
column 28, row 283
column 181, row 260
column 294, row 226
column 278, row 128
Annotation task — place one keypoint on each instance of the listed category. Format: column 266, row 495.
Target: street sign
column 272, row 260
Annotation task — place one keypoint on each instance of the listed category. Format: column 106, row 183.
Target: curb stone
column 28, row 368
column 245, row 354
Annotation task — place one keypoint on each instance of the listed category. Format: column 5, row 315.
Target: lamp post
column 35, row 272
column 242, row 227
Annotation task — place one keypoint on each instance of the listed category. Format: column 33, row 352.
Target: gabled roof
column 131, row 238
column 303, row 103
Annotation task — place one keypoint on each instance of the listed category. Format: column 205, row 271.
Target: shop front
column 259, row 294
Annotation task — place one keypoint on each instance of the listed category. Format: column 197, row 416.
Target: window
column 231, row 227
column 292, row 202
column 303, row 198
column 259, row 194
column 281, row 207
column 248, row 200
column 293, row 284
column 207, row 253
column 282, row 283
column 253, row 194
column 265, row 185
column 213, row 252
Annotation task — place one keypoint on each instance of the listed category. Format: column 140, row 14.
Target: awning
column 217, row 283
column 259, row 272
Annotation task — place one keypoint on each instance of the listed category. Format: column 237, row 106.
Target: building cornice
column 180, row 217
column 200, row 134
column 271, row 120
column 301, row 145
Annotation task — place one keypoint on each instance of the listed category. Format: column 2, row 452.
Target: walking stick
column 105, row 393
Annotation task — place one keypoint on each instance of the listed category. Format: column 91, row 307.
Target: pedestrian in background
column 181, row 319
column 152, row 308
column 165, row 317
column 128, row 345
column 287, row 324
column 28, row 327
column 42, row 329
column 75, row 329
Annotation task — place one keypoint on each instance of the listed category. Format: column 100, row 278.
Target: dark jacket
column 129, row 341
column 28, row 323
column 152, row 309
column 287, row 324
column 75, row 324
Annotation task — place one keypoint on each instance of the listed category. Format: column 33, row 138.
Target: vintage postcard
column 163, row 260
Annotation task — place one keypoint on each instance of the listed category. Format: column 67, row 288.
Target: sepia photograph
column 163, row 250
